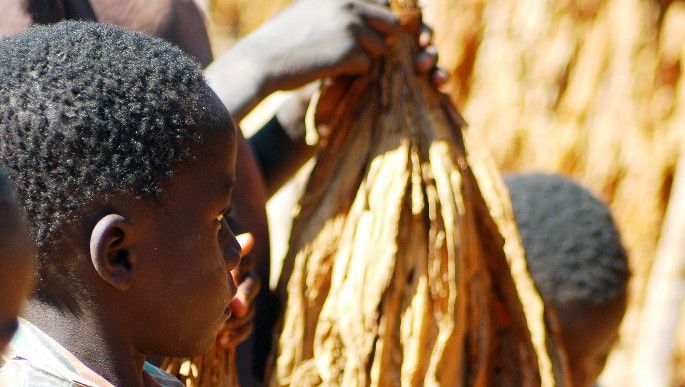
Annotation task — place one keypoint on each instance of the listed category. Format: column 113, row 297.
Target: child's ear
column 110, row 250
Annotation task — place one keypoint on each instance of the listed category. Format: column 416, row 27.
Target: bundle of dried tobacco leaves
column 404, row 265
column 216, row 368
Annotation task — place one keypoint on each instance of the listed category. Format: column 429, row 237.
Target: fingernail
column 246, row 242
column 244, row 238
column 441, row 76
column 424, row 40
column 238, row 307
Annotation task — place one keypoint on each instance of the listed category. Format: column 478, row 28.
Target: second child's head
column 575, row 256
column 124, row 160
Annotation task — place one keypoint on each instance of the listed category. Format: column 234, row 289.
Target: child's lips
column 233, row 259
column 232, row 292
column 233, row 263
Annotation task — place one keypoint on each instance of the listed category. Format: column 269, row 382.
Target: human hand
column 240, row 325
column 309, row 40
column 291, row 114
column 247, row 260
column 313, row 39
column 427, row 59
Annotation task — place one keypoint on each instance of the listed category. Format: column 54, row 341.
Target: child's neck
column 97, row 345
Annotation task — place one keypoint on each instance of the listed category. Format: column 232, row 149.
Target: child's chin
column 200, row 347
column 198, row 341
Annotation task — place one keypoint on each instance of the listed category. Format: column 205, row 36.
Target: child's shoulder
column 34, row 359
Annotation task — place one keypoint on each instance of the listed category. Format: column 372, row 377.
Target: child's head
column 577, row 262
column 124, row 159
column 16, row 261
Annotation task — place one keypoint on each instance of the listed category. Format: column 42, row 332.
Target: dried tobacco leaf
column 213, row 369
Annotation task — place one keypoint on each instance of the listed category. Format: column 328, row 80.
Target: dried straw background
column 587, row 88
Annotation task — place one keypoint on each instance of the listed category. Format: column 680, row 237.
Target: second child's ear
column 110, row 251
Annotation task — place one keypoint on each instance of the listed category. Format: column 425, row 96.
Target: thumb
column 247, row 290
column 238, row 306
column 246, row 241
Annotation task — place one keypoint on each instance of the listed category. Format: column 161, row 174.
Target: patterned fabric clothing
column 34, row 359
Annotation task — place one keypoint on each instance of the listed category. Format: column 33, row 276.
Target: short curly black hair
column 90, row 111
column 573, row 248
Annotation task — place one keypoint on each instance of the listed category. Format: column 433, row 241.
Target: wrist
column 258, row 49
column 240, row 79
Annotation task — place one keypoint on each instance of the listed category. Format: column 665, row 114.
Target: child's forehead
column 209, row 174
column 12, row 223
column 218, row 139
column 15, row 243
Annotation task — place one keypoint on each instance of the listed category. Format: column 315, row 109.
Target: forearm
column 239, row 77
column 309, row 40
column 241, row 82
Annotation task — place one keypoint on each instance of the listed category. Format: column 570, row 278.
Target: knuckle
column 352, row 25
column 257, row 285
column 248, row 266
column 349, row 5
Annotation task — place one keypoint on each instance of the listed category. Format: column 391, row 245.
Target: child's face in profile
column 589, row 333
column 16, row 269
column 182, row 287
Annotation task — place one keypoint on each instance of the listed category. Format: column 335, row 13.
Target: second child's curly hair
column 573, row 248
column 90, row 111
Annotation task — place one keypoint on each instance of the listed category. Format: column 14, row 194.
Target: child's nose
column 232, row 254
